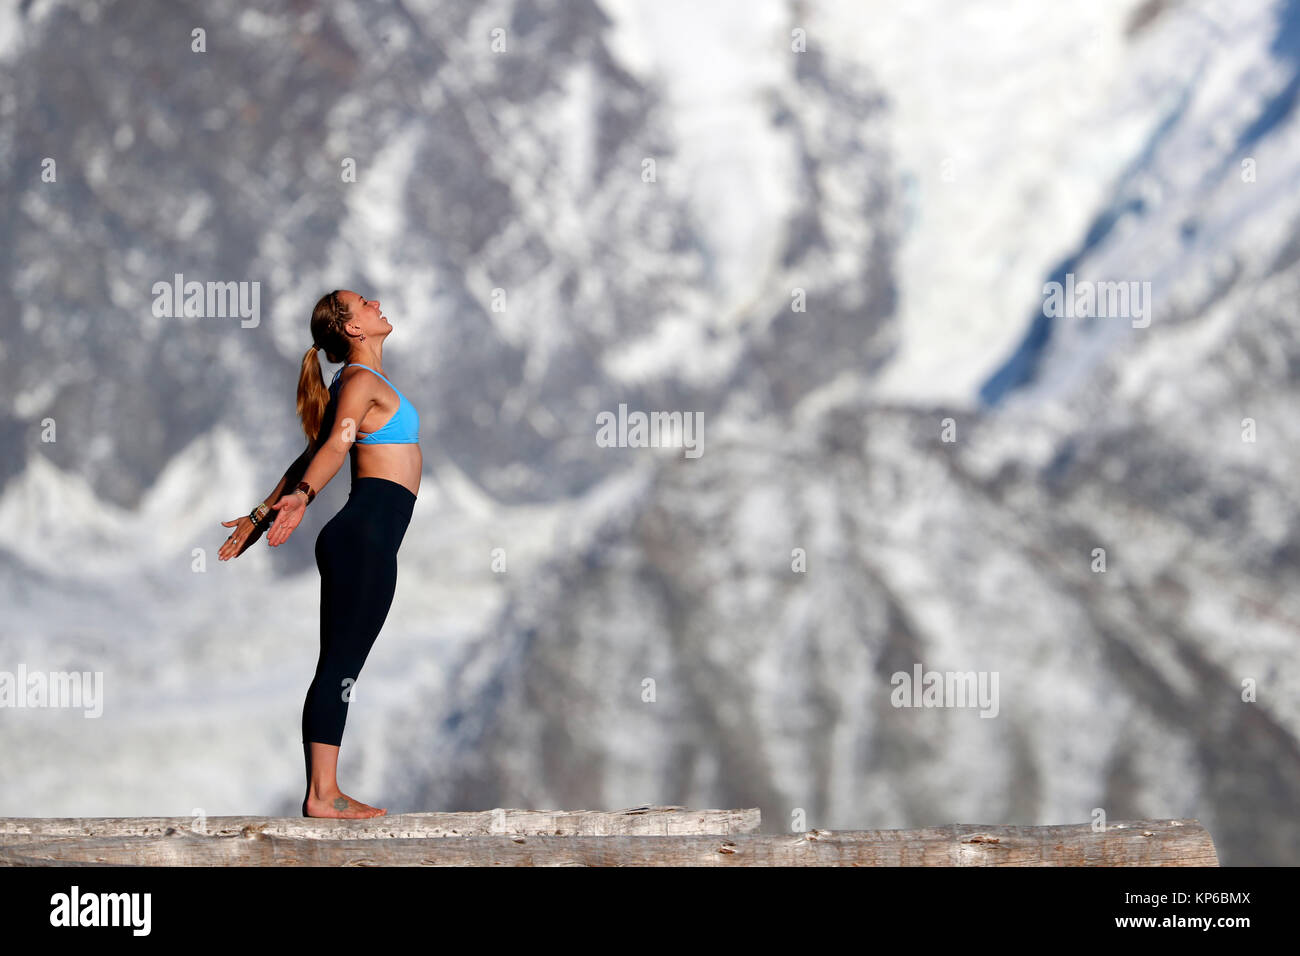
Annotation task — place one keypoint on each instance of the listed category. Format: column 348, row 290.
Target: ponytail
column 327, row 332
column 313, row 396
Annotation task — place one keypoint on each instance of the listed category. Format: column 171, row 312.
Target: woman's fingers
column 284, row 522
column 285, row 531
column 229, row 547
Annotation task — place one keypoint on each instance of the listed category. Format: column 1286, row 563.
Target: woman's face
column 365, row 314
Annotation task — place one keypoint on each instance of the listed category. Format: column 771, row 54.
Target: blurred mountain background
column 913, row 174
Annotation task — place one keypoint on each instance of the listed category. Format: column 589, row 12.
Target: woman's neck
column 374, row 357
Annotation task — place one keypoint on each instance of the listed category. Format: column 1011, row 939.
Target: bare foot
column 339, row 805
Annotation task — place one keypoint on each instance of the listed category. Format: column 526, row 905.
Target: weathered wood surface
column 634, row 821
column 1135, row 843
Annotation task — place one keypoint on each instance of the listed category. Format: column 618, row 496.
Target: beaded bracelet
column 261, row 516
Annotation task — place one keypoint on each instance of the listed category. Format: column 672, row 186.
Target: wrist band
column 260, row 516
column 303, row 486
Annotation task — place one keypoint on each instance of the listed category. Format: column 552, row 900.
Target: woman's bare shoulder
column 357, row 388
column 354, row 373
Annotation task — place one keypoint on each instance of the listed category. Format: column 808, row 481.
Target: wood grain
column 418, row 840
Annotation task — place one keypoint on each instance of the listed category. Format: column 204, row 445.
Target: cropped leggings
column 356, row 554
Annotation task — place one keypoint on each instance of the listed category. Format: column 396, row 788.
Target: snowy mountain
column 912, row 179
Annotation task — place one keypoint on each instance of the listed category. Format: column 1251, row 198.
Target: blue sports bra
column 402, row 429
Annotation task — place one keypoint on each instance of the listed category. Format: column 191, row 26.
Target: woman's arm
column 356, row 396
column 292, row 475
column 245, row 533
column 353, row 403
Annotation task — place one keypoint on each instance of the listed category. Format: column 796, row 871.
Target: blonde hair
column 327, row 321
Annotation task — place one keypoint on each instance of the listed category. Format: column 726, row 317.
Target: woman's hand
column 291, row 509
column 245, row 534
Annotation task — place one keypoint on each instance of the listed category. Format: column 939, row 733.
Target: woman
column 356, row 550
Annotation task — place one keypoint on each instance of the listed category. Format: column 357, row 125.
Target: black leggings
column 356, row 553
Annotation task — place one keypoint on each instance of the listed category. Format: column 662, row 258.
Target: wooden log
column 1135, row 843
column 634, row 821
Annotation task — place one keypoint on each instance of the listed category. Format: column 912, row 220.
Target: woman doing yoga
column 361, row 415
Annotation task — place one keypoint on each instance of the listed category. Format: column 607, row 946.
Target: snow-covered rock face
column 837, row 258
